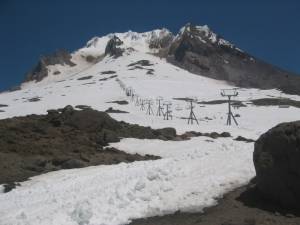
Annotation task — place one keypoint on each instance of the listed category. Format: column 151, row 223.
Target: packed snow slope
column 190, row 176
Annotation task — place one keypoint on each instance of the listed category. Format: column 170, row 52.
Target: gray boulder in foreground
column 277, row 164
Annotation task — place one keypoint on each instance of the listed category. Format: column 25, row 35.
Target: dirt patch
column 63, row 139
column 108, row 78
column 141, row 63
column 83, row 107
column 122, row 102
column 34, row 99
column 275, row 102
column 85, row 78
column 244, row 206
column 182, row 99
column 234, row 103
column 112, row 110
column 149, row 71
column 108, row 72
column 214, row 135
column 241, row 138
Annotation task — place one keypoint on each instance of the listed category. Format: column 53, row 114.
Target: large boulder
column 277, row 163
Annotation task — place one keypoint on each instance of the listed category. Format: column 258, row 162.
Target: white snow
column 190, row 178
column 191, row 174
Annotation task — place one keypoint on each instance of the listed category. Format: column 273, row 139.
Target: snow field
column 188, row 179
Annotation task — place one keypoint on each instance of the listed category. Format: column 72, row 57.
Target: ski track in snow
column 190, row 176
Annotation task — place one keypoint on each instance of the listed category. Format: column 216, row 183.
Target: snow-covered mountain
column 192, row 174
column 195, row 48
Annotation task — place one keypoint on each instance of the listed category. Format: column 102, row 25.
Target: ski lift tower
column 142, row 104
column 191, row 107
column 132, row 96
column 160, row 108
column 229, row 93
column 137, row 100
column 129, row 91
column 168, row 113
column 149, row 104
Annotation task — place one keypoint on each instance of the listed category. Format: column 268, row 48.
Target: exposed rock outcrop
column 277, row 163
column 40, row 71
column 161, row 40
column 64, row 139
column 201, row 51
column 112, row 48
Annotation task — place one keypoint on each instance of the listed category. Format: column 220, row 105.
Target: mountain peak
column 197, row 49
column 204, row 34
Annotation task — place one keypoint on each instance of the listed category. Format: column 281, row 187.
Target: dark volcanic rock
column 83, row 107
column 141, row 63
column 201, row 51
column 34, row 99
column 213, row 135
column 122, row 102
column 108, row 78
column 241, row 138
column 85, row 78
column 64, row 139
column 73, row 163
column 234, row 103
column 162, row 40
column 108, row 72
column 112, row 110
column 277, row 163
column 276, row 102
column 40, row 71
column 112, row 48
column 168, row 133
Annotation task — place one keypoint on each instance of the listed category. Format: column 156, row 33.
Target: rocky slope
column 40, row 71
column 65, row 139
column 201, row 51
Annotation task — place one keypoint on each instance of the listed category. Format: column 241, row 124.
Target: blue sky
column 268, row 29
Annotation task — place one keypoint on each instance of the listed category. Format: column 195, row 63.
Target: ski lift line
column 164, row 108
column 168, row 112
column 149, row 110
column 160, row 111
